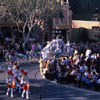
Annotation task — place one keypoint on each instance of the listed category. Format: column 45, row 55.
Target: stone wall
column 78, row 25
column 93, row 35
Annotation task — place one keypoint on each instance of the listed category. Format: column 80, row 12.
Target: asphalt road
column 42, row 89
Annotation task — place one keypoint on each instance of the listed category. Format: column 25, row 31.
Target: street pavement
column 42, row 89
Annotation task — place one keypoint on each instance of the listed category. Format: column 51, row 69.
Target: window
column 61, row 20
column 61, row 17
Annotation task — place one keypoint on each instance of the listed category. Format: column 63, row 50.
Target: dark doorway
column 17, row 33
column 6, row 31
column 61, row 34
column 46, row 36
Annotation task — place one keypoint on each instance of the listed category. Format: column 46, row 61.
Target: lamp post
column 67, row 24
column 67, row 35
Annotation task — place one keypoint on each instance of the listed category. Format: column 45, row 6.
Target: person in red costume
column 10, row 80
column 25, row 86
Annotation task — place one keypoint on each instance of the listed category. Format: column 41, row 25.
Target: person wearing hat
column 16, row 75
column 11, row 65
column 15, row 72
column 9, row 83
column 12, row 62
column 13, row 85
column 21, row 74
column 16, row 63
column 14, row 69
column 18, row 78
column 26, row 85
column 22, row 70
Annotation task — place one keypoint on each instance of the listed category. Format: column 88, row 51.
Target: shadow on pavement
column 52, row 91
column 46, row 90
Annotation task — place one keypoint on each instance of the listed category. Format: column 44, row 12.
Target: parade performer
column 8, row 81
column 11, row 83
column 18, row 78
column 21, row 74
column 41, row 66
column 26, row 85
column 14, row 70
column 11, row 65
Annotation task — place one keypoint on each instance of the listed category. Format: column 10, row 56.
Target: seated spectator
column 97, row 86
column 81, row 68
column 92, row 82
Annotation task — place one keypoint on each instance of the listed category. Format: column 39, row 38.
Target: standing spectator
column 88, row 52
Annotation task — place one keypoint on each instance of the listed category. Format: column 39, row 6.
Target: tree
column 31, row 13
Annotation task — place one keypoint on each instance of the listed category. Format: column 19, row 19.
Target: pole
column 40, row 93
column 67, row 33
column 67, row 36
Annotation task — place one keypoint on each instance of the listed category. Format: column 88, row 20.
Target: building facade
column 62, row 24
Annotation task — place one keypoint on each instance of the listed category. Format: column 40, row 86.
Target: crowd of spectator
column 80, row 66
column 19, row 47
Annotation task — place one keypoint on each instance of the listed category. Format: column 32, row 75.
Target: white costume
column 26, row 85
column 10, row 80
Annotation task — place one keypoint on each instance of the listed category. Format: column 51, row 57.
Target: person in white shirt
column 73, row 72
column 86, row 73
column 88, row 52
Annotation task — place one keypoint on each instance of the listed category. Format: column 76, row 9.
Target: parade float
column 55, row 48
